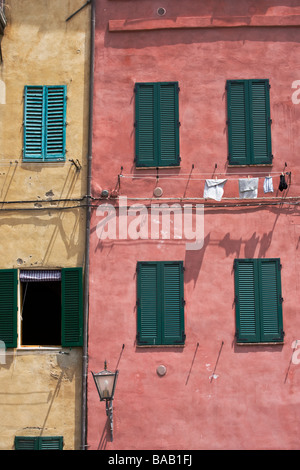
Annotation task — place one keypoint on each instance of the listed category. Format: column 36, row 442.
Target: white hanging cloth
column 248, row 188
column 268, row 184
column 214, row 189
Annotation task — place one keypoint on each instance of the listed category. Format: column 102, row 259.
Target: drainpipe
column 87, row 242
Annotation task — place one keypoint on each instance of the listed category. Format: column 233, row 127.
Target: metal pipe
column 87, row 242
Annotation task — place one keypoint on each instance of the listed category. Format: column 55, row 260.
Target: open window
column 41, row 307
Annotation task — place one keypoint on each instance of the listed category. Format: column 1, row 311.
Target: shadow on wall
column 55, row 228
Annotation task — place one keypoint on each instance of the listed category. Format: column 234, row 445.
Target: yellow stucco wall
column 41, row 389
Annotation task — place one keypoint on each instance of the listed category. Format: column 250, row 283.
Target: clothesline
column 248, row 187
column 184, row 177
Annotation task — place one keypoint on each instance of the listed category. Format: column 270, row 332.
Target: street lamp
column 105, row 383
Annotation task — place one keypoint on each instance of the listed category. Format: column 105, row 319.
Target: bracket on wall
column 79, row 9
column 76, row 163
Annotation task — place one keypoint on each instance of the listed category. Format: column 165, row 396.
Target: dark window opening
column 41, row 313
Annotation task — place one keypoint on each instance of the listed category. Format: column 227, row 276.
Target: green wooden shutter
column 172, row 303
column 51, row 443
column 26, row 443
column 168, row 124
column 160, row 303
column 34, row 123
column 8, row 307
column 148, row 327
column 270, row 300
column 260, row 122
column 258, row 300
column 72, row 307
column 38, row 443
column 238, row 122
column 55, row 122
column 157, row 124
column 246, row 302
column 249, row 123
column 145, row 133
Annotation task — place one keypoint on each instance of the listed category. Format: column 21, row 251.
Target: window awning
column 40, row 275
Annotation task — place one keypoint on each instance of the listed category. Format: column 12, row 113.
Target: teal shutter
column 157, row 124
column 258, row 301
column 238, row 122
column 34, row 123
column 172, row 303
column 148, row 325
column 55, row 123
column 160, row 303
column 44, row 123
column 72, row 307
column 8, row 307
column 38, row 443
column 249, row 123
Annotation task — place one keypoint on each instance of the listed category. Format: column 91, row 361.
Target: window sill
column 160, row 346
column 154, row 167
column 261, row 344
column 38, row 348
column 247, row 166
column 59, row 160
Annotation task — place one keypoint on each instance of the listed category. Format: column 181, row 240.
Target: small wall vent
column 161, row 11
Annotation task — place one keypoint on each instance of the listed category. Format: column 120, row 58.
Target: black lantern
column 105, row 383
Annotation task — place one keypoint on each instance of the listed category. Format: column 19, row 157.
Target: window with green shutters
column 160, row 303
column 249, row 122
column 157, row 124
column 43, row 320
column 258, row 300
column 44, row 123
column 38, row 443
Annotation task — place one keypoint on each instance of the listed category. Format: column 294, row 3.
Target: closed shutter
column 145, row 135
column 258, row 300
column 38, row 443
column 246, row 302
column 148, row 325
column 8, row 307
column 168, row 125
column 160, row 303
column 26, row 443
column 238, row 125
column 249, row 123
column 271, row 308
column 72, row 307
column 44, row 123
column 55, row 122
column 172, row 303
column 157, row 124
column 34, row 123
column 51, row 443
column 260, row 121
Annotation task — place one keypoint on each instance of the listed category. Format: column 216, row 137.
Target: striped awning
column 40, row 275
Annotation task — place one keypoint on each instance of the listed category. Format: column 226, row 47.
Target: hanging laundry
column 248, row 188
column 268, row 184
column 214, row 189
column 283, row 184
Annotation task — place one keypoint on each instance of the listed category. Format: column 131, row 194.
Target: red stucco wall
column 252, row 401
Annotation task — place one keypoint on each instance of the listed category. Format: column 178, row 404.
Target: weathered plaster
column 251, row 399
column 41, row 389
